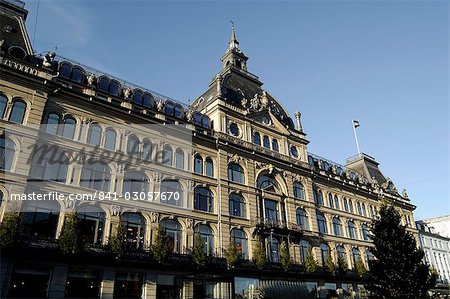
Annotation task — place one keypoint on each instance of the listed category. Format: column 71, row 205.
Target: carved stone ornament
column 189, row 223
column 404, row 193
column 160, row 105
column 91, row 79
column 157, row 176
column 48, row 59
column 255, row 102
column 244, row 102
column 154, row 217
column 86, row 120
column 115, row 210
column 264, row 100
column 190, row 114
column 127, row 93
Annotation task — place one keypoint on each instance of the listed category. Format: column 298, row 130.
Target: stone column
column 149, row 286
column 188, row 289
column 107, row 286
column 58, row 281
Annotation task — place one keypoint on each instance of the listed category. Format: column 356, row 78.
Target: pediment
column 267, row 119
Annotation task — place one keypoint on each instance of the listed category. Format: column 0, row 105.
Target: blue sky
column 383, row 63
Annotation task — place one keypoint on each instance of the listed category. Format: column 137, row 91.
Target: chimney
column 297, row 118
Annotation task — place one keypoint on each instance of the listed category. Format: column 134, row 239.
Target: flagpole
column 356, row 138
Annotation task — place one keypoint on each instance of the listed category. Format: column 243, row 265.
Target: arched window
column 110, row 139
column 273, row 249
column 135, row 230
column 205, row 122
column 356, row 256
column 3, row 102
column 358, row 208
column 50, row 166
column 114, row 88
column 198, row 164
column 299, row 191
column 40, row 219
column 304, row 247
column 147, row 100
column 51, row 126
column 341, row 253
column 135, row 184
column 178, row 111
column 173, row 231
column 147, row 148
column 197, row 119
column 372, row 214
column 169, row 108
column 257, row 138
column 350, row 205
column 77, row 74
column 336, row 202
column 337, row 227
column 69, row 128
column 206, row 237
column 275, row 146
column 235, row 173
column 95, row 135
column 7, row 152
column 17, row 112
column 345, row 204
column 203, row 199
column 302, row 219
column 209, row 167
column 167, row 156
column 364, row 212
column 266, row 182
column 172, row 193
column 239, row 237
column 266, row 142
column 103, row 84
column 364, row 232
column 318, row 197
column 369, row 255
column 351, row 230
column 65, row 69
column 179, row 159
column 330, row 200
column 321, row 223
column 95, row 175
column 237, row 205
column 91, row 224
column 133, row 146
column 324, row 249
column 137, row 97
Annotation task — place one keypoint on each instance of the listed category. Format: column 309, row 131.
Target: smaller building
column 441, row 225
column 437, row 250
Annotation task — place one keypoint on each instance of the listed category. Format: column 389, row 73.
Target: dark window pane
column 69, row 128
column 3, row 102
column 17, row 112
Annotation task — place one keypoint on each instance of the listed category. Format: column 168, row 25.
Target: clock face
column 265, row 120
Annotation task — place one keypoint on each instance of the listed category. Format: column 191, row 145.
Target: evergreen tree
column 232, row 254
column 342, row 266
column 9, row 230
column 163, row 245
column 259, row 256
column 68, row 241
column 198, row 252
column 330, row 266
column 118, row 242
column 285, row 257
column 311, row 265
column 398, row 270
column 360, row 268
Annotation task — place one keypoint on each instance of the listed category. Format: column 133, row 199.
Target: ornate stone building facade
column 236, row 159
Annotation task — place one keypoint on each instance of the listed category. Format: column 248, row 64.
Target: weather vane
column 232, row 23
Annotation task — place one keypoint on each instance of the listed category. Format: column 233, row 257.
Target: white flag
column 355, row 123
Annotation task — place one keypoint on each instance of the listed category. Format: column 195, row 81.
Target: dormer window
column 275, row 145
column 257, row 138
column 294, row 152
column 266, row 141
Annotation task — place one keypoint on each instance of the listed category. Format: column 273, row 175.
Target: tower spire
column 234, row 44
